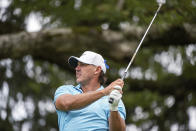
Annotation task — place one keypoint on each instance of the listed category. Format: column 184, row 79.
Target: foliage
column 95, row 13
column 159, row 90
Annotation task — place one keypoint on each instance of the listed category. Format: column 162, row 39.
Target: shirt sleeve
column 121, row 110
column 62, row 90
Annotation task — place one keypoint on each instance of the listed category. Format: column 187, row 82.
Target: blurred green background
column 37, row 37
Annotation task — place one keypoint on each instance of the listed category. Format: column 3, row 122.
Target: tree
column 159, row 89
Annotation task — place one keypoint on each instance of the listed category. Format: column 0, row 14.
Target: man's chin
column 78, row 81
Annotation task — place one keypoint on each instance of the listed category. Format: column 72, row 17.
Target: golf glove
column 116, row 96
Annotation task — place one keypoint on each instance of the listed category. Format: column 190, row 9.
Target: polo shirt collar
column 78, row 87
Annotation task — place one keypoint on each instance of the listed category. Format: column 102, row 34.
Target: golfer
column 85, row 107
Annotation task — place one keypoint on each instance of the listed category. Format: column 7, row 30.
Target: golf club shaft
column 160, row 2
column 131, row 61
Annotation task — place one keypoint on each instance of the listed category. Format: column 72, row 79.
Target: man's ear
column 98, row 70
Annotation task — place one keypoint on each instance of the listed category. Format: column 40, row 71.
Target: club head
column 160, row 2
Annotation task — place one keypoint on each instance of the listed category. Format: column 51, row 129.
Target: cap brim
column 73, row 61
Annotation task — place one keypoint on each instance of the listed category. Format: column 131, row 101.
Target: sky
column 33, row 24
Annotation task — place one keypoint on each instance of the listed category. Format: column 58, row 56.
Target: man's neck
column 90, row 87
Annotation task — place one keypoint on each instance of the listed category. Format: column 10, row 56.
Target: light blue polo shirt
column 93, row 117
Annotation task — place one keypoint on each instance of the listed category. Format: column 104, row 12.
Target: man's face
column 84, row 73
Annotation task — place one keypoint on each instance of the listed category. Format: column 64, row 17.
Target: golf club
column 160, row 2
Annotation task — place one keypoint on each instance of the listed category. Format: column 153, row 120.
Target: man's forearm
column 69, row 102
column 116, row 123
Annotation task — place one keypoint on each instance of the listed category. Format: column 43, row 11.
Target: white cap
column 88, row 57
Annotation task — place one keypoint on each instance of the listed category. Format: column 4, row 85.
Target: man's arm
column 116, row 123
column 69, row 102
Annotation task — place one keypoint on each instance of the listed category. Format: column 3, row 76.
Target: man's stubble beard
column 84, row 81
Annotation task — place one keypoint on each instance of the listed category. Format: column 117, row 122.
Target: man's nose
column 77, row 68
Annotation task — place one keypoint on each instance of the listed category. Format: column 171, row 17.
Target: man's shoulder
column 65, row 87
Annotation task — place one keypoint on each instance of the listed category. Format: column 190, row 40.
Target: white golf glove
column 116, row 96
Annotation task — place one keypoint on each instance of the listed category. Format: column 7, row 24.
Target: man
column 85, row 107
